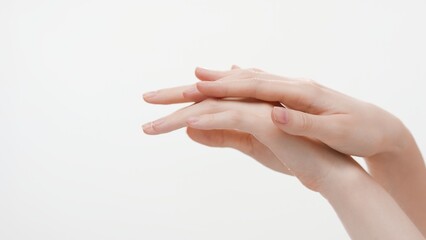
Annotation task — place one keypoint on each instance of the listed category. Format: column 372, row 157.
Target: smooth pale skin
column 262, row 131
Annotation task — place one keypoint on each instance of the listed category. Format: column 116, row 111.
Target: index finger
column 187, row 93
column 174, row 95
column 300, row 95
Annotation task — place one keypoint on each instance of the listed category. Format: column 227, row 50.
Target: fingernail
column 149, row 94
column 150, row 127
column 201, row 68
column 280, row 115
column 146, row 126
column 192, row 120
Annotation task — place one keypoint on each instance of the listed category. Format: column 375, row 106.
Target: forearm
column 367, row 211
column 403, row 175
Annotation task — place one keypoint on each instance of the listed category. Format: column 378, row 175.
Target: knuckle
column 250, row 73
column 306, row 122
column 256, row 84
column 311, row 86
column 233, row 117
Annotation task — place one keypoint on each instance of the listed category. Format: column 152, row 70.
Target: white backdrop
column 74, row 163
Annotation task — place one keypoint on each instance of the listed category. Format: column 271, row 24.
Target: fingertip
column 158, row 126
column 280, row 115
column 201, row 85
column 205, row 74
column 200, row 73
column 147, row 128
column 149, row 96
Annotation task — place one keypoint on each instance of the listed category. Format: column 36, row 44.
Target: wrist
column 342, row 181
column 347, row 184
column 399, row 143
column 397, row 139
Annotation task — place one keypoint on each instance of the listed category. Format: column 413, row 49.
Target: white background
column 74, row 163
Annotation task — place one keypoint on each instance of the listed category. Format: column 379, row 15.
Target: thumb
column 300, row 123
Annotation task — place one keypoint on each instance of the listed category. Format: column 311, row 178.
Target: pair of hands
column 312, row 139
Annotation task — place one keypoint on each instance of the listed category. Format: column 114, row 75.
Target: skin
column 261, row 129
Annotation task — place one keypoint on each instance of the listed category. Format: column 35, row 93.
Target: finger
column 193, row 93
column 242, row 142
column 178, row 119
column 299, row 154
column 212, row 75
column 238, row 121
column 229, row 120
column 188, row 93
column 287, row 147
column 215, row 75
column 300, row 95
column 304, row 124
column 181, row 94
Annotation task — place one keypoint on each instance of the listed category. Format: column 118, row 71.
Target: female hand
column 336, row 176
column 315, row 165
column 314, row 111
column 346, row 124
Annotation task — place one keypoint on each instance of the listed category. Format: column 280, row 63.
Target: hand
column 315, row 165
column 365, row 209
column 319, row 112
column 346, row 124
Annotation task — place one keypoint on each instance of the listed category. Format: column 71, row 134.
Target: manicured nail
column 146, row 126
column 150, row 127
column 280, row 115
column 150, row 94
column 201, row 68
column 192, row 120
